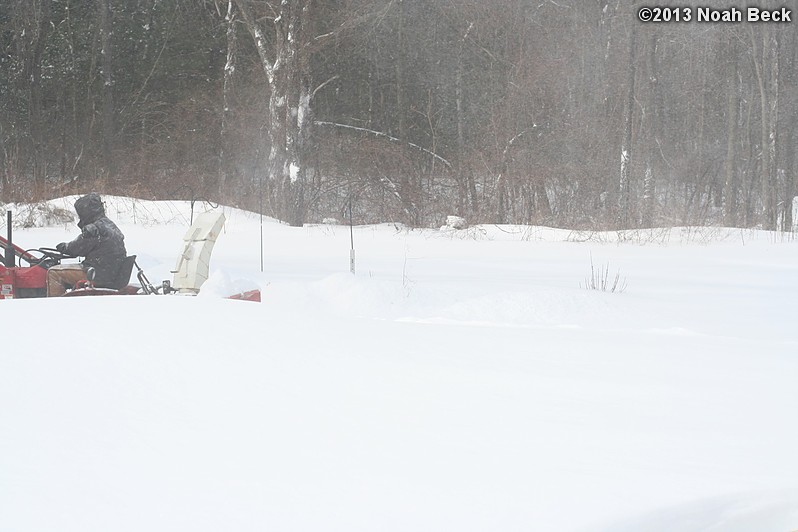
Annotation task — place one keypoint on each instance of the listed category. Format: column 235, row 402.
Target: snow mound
column 776, row 511
column 222, row 284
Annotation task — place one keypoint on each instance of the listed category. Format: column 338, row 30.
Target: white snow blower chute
column 194, row 262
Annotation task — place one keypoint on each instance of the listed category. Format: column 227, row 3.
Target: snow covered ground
column 461, row 380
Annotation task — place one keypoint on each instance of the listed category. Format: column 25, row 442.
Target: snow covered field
column 461, row 380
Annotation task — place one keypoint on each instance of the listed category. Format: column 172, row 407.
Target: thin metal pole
column 260, row 209
column 10, row 255
column 351, row 241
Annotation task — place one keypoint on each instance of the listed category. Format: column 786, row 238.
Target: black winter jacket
column 100, row 241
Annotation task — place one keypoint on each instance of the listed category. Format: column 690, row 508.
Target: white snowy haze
column 461, row 380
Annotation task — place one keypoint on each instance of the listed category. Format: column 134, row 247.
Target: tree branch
column 260, row 39
column 317, row 89
column 385, row 136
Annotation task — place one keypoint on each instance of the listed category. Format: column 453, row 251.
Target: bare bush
column 601, row 280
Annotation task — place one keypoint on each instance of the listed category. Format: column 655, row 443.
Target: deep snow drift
column 461, row 380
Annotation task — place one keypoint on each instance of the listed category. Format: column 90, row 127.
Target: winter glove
column 62, row 248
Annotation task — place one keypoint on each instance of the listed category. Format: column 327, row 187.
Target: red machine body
column 22, row 282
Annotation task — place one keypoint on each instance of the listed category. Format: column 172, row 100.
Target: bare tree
column 730, row 184
column 231, row 20
column 765, row 46
column 625, row 184
column 39, row 17
column 106, row 51
column 788, row 122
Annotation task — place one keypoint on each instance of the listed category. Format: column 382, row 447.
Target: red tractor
column 18, row 282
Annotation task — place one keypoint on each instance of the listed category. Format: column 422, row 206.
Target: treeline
column 567, row 113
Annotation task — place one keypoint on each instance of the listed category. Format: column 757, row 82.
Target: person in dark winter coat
column 100, row 242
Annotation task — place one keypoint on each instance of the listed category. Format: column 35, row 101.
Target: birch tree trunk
column 788, row 118
column 231, row 18
column 287, row 71
column 625, row 183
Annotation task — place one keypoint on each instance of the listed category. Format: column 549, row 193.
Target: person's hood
column 89, row 209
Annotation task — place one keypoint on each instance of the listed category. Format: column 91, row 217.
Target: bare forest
column 568, row 113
